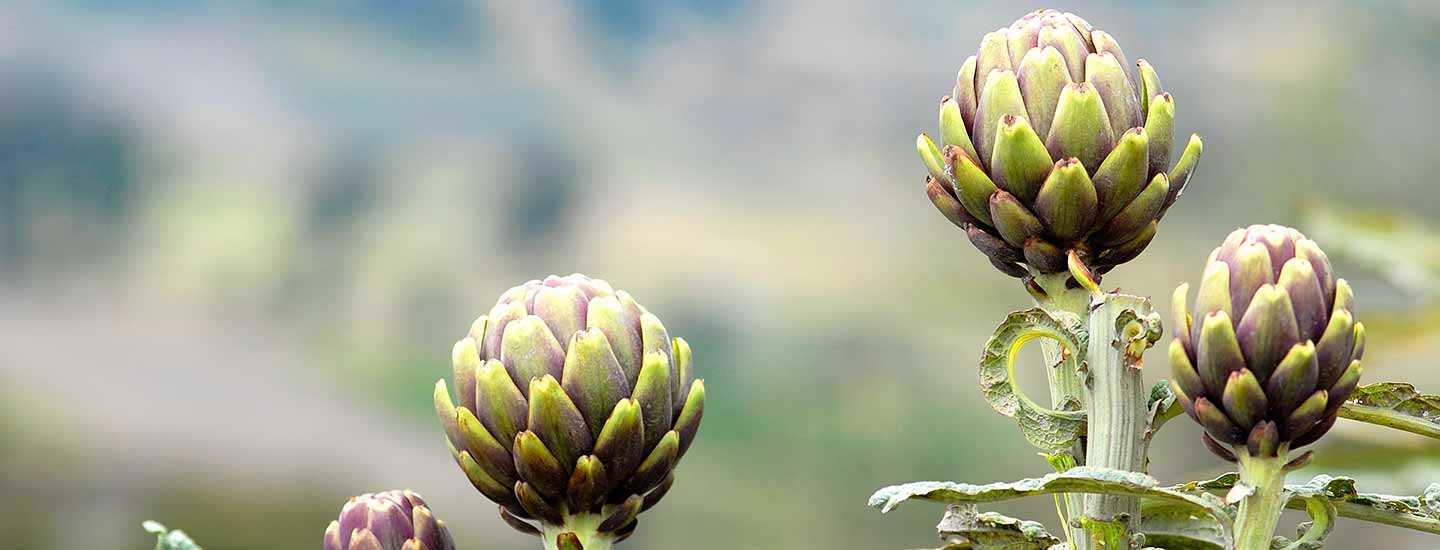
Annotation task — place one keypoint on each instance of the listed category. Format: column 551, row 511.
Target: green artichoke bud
column 1272, row 348
column 392, row 520
column 573, row 405
column 1049, row 145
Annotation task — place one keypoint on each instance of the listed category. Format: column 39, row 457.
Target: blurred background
column 237, row 240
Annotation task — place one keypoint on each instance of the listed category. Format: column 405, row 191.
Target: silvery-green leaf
column 1395, row 405
column 1080, row 479
column 963, row 525
column 1173, row 527
column 1048, row 429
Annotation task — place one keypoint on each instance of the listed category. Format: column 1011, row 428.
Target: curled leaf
column 1048, row 429
column 962, row 525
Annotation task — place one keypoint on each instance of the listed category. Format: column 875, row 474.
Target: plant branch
column 1066, row 389
column 1372, row 514
column 1389, row 418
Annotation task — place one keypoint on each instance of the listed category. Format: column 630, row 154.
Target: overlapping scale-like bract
column 571, row 401
column 1048, row 145
column 1271, row 348
column 392, row 520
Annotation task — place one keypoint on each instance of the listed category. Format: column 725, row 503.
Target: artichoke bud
column 945, row 201
column 1244, row 399
column 1038, row 252
column 1049, row 112
column 623, row 514
column 536, row 505
column 588, row 485
column 1221, row 450
column 1012, row 220
column 392, row 520
column 687, row 423
column 574, row 405
column 1081, row 128
column 964, row 91
column 1067, row 201
column 1264, row 439
column 973, row 187
column 930, row 153
column 528, row 350
column 515, row 522
column 1180, row 318
column 952, row 126
column 653, row 497
column 1278, row 349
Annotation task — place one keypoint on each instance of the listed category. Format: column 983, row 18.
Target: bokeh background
column 237, row 240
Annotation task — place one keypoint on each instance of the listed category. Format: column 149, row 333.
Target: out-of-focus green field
column 237, row 241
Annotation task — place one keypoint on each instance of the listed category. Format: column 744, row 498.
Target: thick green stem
column 1115, row 391
column 1065, row 385
column 1262, row 482
column 584, row 526
column 1066, row 388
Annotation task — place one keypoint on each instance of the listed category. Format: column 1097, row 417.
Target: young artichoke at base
column 1049, row 144
column 392, row 520
column 573, row 406
column 1273, row 348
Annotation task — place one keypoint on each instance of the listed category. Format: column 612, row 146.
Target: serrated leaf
column 1048, row 429
column 964, row 527
column 1172, row 527
column 1080, row 479
column 1395, row 405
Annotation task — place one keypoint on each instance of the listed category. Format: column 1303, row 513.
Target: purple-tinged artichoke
column 392, row 520
column 573, row 406
column 1049, row 144
column 1273, row 349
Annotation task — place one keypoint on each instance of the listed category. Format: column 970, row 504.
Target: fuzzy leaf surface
column 1047, row 429
column 1172, row 527
column 1080, row 479
column 964, row 527
column 1395, row 405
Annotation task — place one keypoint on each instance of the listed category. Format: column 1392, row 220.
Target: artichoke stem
column 1260, row 509
column 584, row 526
column 1115, row 391
column 1066, row 388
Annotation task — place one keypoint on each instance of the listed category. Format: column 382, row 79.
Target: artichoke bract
column 1272, row 349
column 1048, row 145
column 392, row 520
column 573, row 405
